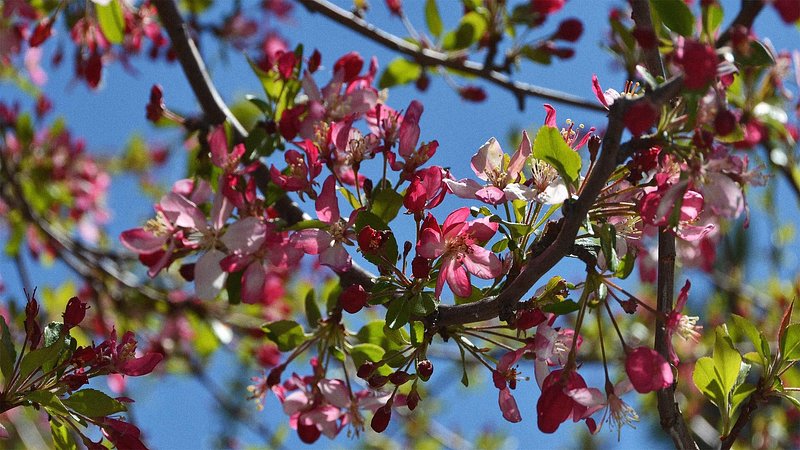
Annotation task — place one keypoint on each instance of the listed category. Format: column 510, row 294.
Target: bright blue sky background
column 174, row 411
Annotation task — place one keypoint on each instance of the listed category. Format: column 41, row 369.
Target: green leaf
column 727, row 360
column 362, row 353
column 676, row 15
column 550, row 147
column 757, row 55
column 790, row 343
column 8, row 354
column 111, row 20
column 286, row 334
column 306, row 224
column 423, row 304
column 417, row 332
column 377, row 333
column 313, row 315
column 62, row 438
column 712, row 18
column 48, row 400
column 399, row 71
column 94, row 403
column 432, row 18
column 562, row 308
column 741, row 393
column 34, row 360
column 705, row 378
column 52, row 332
column 464, row 376
column 469, row 31
column 398, row 313
column 756, row 337
column 386, row 203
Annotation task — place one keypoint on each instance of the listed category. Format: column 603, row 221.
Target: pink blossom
column 681, row 324
column 489, row 164
column 459, row 242
column 505, row 377
column 648, row 370
column 328, row 243
column 555, row 406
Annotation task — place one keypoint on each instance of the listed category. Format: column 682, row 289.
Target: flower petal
column 209, row 277
column 489, row 158
column 482, row 263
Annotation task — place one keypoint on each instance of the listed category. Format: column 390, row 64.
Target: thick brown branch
column 429, row 57
column 574, row 214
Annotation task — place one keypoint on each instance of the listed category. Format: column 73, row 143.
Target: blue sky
column 174, row 411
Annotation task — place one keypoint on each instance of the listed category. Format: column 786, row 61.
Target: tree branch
column 429, row 57
column 574, row 214
column 747, row 15
column 672, row 420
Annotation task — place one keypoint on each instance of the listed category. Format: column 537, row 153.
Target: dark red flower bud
column 420, row 267
column 268, row 355
column 699, row 63
column 399, row 378
column 395, row 7
column 640, row 117
column 366, row 370
column 308, row 432
column 371, row 240
column 423, row 82
column 569, row 30
column 32, row 328
column 187, row 271
column 725, row 123
column 425, row 369
column 75, row 312
column 42, row 31
column 629, row 306
column 378, row 381
column 472, row 93
column 155, row 107
column 353, row 298
column 546, row 7
column 75, row 381
column 286, row 63
column 314, row 61
column 43, row 106
column 381, row 418
column 274, row 377
column 416, row 196
column 412, row 400
column 529, row 318
column 350, row 64
column 83, row 356
column 789, row 10
column 94, row 69
column 594, row 146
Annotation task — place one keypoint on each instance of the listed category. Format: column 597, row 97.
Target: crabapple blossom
column 459, row 242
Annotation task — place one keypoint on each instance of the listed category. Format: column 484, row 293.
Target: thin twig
column 747, row 15
column 429, row 57
column 672, row 420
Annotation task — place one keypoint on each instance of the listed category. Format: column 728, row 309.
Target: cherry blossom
column 647, row 370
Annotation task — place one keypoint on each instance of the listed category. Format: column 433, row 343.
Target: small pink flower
column 502, row 177
column 648, row 370
column 459, row 242
column 555, row 406
column 681, row 324
column 328, row 243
